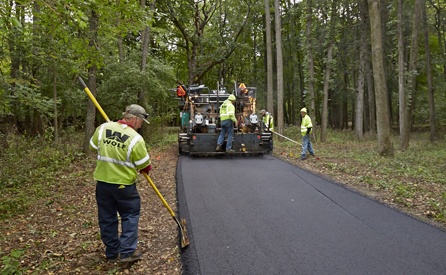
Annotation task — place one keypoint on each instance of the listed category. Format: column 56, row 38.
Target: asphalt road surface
column 260, row 215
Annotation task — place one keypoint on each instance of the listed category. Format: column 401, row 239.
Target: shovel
column 182, row 225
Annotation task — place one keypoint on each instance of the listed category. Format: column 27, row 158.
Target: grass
column 412, row 179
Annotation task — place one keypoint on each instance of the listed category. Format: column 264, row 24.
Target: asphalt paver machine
column 199, row 109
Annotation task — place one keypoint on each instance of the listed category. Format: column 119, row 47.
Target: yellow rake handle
column 158, row 193
column 95, row 102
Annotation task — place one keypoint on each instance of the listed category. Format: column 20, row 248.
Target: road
column 261, row 215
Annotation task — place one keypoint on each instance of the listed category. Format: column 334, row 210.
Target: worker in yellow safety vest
column 268, row 120
column 121, row 153
column 306, row 127
column 227, row 121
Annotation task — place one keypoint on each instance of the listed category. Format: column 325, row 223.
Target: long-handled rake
column 286, row 137
column 182, row 224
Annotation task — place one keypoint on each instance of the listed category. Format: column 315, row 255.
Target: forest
column 375, row 67
column 372, row 74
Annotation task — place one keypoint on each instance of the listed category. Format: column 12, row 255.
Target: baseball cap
column 138, row 111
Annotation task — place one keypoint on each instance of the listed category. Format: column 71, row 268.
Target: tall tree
column 385, row 146
column 310, row 58
column 411, row 84
column 440, row 24
column 269, row 60
column 359, row 118
column 279, row 60
column 328, row 64
column 430, row 89
column 144, row 52
column 92, row 71
column 192, row 19
column 402, row 97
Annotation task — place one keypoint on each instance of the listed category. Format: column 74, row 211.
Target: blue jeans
column 227, row 126
column 112, row 199
column 306, row 145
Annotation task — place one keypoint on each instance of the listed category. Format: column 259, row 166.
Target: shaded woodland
column 374, row 67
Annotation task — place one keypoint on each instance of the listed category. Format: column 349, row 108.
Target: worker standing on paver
column 306, row 128
column 227, row 121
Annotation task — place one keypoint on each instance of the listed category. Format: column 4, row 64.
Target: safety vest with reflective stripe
column 268, row 121
column 121, row 153
column 227, row 111
column 306, row 123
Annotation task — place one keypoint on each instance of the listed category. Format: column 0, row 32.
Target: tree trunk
column 359, row 118
column 385, row 147
column 56, row 123
column 411, row 85
column 144, row 53
column 269, row 60
column 324, row 115
column 328, row 67
column 360, row 107
column 402, row 98
column 439, row 26
column 310, row 59
column 279, row 56
column 430, row 89
column 91, row 108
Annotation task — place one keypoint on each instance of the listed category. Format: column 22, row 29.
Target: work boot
column 230, row 151
column 218, row 149
column 135, row 256
column 113, row 259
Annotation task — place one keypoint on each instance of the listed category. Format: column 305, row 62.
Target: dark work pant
column 227, row 126
column 125, row 200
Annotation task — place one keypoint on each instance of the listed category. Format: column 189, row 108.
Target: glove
column 308, row 130
column 147, row 169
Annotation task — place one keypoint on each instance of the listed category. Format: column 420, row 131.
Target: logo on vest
column 115, row 138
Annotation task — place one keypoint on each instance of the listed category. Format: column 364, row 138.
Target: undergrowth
column 29, row 166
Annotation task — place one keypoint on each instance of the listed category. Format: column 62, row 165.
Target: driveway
column 261, row 215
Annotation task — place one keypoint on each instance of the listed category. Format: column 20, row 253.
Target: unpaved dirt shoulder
column 59, row 234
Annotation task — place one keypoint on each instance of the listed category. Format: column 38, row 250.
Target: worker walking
column 306, row 127
column 121, row 153
column 227, row 121
column 268, row 121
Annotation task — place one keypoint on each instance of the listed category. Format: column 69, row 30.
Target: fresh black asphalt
column 261, row 215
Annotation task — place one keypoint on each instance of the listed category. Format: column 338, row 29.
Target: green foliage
column 121, row 83
column 157, row 131
column 11, row 262
column 28, row 166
